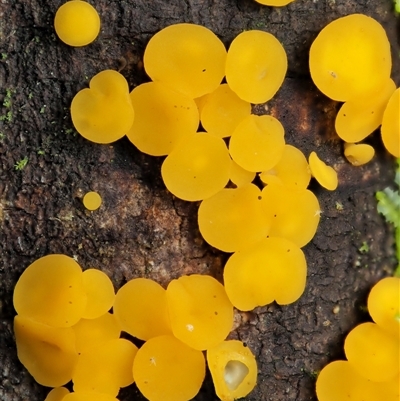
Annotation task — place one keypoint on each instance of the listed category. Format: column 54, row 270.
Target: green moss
column 20, row 165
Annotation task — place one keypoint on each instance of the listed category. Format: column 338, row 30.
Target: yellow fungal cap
column 233, row 369
column 92, row 200
column 103, row 113
column 57, row 394
column 358, row 153
column 165, row 369
column 51, row 291
column 255, row 66
column 275, row 3
column 48, row 353
column 325, row 175
column 390, row 129
column 77, row 23
column 200, row 312
column 239, row 176
column 350, row 58
column 193, row 59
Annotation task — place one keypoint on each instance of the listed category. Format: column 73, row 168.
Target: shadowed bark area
column 143, row 231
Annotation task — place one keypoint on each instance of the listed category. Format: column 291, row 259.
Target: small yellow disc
column 92, row 201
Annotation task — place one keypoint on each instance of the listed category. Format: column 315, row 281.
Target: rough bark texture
column 141, row 229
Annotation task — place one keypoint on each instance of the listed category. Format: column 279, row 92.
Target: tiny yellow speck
column 92, row 200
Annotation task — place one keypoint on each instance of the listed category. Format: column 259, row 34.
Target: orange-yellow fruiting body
column 48, row 353
column 92, row 200
column 273, row 269
column 162, row 117
column 200, row 312
column 390, row 129
column 141, row 309
column 294, row 214
column 255, row 66
column 51, row 291
column 275, row 3
column 77, row 23
column 88, row 396
column 239, row 176
column 165, row 369
column 373, row 352
column 233, row 219
column 358, row 153
column 103, row 112
column 292, row 169
column 100, row 293
column 91, row 333
column 359, row 117
column 350, row 58
column 193, row 59
column 384, row 304
column 324, row 174
column 257, row 143
column 57, row 394
column 197, row 168
column 105, row 368
column 233, row 369
column 222, row 111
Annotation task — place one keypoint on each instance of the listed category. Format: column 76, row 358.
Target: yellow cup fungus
column 233, row 219
column 57, row 394
column 233, row 368
column 141, row 309
column 294, row 214
column 324, row 174
column 88, row 396
column 373, row 352
column 384, row 304
column 292, row 169
column 162, row 117
column 48, row 353
column 239, row 176
column 100, row 293
column 200, row 312
column 255, row 66
column 165, row 369
column 92, row 200
column 222, row 111
column 390, row 129
column 350, row 58
column 359, row 117
column 358, row 153
column 103, row 112
column 193, row 59
column 273, row 269
column 197, row 168
column 257, row 143
column 105, row 368
column 77, row 23
column 275, row 3
column 51, row 291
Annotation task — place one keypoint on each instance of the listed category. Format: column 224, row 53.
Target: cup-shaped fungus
column 48, row 353
column 200, row 312
column 105, row 368
column 294, row 214
column 91, row 333
column 358, row 153
column 373, row 352
column 57, row 394
column 51, row 291
column 103, row 112
column 92, row 200
column 384, row 304
column 77, row 23
column 255, row 66
column 350, row 58
column 193, row 59
column 292, row 169
column 233, row 219
column 257, row 143
column 166, row 369
column 100, row 293
column 390, row 129
column 275, row 3
column 162, row 117
column 239, row 176
column 359, row 117
column 273, row 269
column 324, row 174
column 222, row 111
column 233, row 369
column 88, row 396
column 141, row 309
column 197, row 168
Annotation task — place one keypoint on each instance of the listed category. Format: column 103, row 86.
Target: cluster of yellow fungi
column 65, row 331
column 372, row 369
